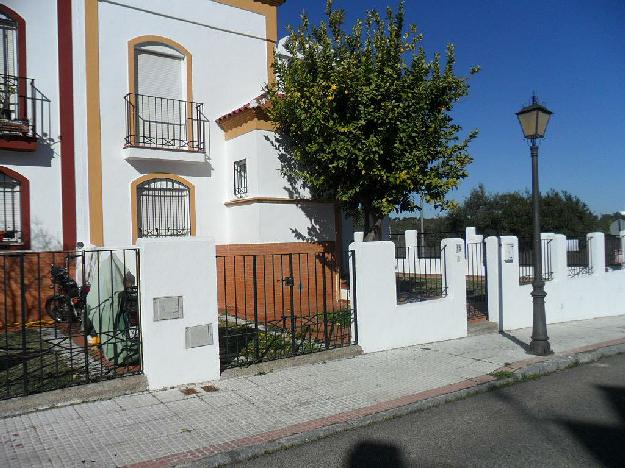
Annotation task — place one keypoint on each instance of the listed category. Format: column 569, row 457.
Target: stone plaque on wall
column 200, row 335
column 167, row 308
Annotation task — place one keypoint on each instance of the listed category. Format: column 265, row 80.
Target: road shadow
column 605, row 443
column 369, row 454
column 516, row 341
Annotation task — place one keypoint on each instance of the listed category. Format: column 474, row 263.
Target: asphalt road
column 572, row 418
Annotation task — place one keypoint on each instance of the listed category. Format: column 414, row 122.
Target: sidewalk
column 168, row 427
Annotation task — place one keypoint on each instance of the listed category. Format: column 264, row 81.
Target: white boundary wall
column 178, row 267
column 382, row 323
column 599, row 294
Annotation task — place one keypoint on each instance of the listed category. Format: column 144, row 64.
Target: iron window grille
column 163, row 209
column 10, row 210
column 240, row 178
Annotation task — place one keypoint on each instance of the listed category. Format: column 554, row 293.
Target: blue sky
column 571, row 52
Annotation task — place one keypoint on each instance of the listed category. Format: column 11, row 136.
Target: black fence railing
column 162, row 123
column 526, row 260
column 399, row 239
column 274, row 306
column 68, row 318
column 477, row 291
column 429, row 243
column 24, row 110
column 578, row 256
column 419, row 279
column 614, row 258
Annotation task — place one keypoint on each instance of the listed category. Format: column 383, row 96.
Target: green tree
column 363, row 117
column 511, row 213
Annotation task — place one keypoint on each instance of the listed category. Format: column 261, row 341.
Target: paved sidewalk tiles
column 166, row 427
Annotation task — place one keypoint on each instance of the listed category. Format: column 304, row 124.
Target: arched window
column 164, row 208
column 14, row 210
column 161, row 112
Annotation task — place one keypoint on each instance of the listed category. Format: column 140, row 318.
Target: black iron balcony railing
column 24, row 110
column 162, row 123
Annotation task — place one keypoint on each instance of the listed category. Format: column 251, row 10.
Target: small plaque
column 167, row 308
column 200, row 335
column 508, row 253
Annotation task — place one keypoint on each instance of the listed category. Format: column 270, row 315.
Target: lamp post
column 534, row 119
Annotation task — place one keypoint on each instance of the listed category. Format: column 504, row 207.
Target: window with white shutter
column 161, row 106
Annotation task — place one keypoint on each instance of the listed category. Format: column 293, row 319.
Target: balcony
column 24, row 113
column 169, row 125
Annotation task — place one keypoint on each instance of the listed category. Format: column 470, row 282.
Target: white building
column 153, row 126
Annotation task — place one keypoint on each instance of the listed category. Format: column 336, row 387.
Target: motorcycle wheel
column 56, row 308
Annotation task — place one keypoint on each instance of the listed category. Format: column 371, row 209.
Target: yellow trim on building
column 248, row 120
column 158, row 175
column 94, row 143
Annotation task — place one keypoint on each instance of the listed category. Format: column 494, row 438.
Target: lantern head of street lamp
column 534, row 119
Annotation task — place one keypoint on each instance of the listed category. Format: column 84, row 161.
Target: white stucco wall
column 598, row 294
column 382, row 324
column 191, row 273
column 275, row 222
column 43, row 167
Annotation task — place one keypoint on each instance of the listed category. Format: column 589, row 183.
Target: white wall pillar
column 559, row 262
column 359, row 236
column 493, row 280
column 412, row 256
column 179, row 278
column 596, row 252
column 622, row 236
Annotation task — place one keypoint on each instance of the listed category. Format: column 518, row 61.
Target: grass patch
column 29, row 364
column 501, row 375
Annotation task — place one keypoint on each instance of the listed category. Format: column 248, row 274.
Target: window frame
column 135, row 212
column 240, row 175
column 24, row 210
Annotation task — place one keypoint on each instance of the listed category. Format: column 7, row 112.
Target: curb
column 521, row 371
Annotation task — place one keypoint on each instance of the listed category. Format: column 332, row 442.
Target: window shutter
column 159, row 75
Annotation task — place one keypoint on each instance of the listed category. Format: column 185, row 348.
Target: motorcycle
column 69, row 301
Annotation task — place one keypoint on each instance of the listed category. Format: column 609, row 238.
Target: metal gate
column 274, row 306
column 67, row 318
column 477, row 275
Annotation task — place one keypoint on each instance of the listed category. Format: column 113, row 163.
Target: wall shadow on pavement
column 516, row 341
column 605, row 443
column 370, row 454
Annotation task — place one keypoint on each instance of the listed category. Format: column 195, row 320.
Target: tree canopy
column 363, row 117
column 511, row 213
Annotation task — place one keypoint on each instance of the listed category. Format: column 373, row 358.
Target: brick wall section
column 37, row 286
column 315, row 279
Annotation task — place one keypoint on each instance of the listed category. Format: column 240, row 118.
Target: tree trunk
column 373, row 226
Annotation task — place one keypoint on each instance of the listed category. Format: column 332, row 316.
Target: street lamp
column 534, row 119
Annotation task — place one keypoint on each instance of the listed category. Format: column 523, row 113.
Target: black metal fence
column 578, row 256
column 614, row 259
column 526, row 260
column 68, row 318
column 24, row 110
column 274, row 306
column 399, row 239
column 476, row 281
column 429, row 243
column 419, row 279
column 162, row 123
